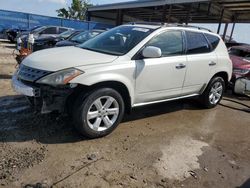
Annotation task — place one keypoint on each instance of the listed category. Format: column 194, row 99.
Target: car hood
column 239, row 62
column 65, row 57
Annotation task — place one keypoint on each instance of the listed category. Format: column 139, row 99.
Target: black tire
column 204, row 98
column 83, row 105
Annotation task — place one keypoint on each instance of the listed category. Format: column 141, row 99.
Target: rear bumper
column 44, row 99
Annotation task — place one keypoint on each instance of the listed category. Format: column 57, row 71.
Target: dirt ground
column 174, row 144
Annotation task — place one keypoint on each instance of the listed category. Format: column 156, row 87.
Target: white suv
column 131, row 65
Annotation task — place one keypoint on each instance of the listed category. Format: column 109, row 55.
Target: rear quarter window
column 196, row 43
column 213, row 40
column 61, row 30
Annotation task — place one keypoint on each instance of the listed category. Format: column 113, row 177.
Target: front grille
column 29, row 74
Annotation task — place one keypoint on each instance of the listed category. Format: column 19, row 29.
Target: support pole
column 88, row 16
column 164, row 10
column 232, row 31
column 209, row 8
column 28, row 19
column 188, row 13
column 225, row 31
column 221, row 19
column 119, row 17
column 169, row 13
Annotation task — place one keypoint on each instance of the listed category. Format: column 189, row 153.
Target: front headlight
column 241, row 71
column 61, row 77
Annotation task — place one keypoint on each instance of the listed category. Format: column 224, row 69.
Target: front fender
column 124, row 76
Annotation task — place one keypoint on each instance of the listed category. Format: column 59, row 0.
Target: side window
column 170, row 43
column 214, row 40
column 196, row 43
column 50, row 30
column 61, row 30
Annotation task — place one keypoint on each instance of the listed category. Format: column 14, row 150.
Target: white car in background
column 128, row 66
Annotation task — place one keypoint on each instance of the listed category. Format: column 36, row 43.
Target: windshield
column 84, row 36
column 117, row 41
column 37, row 30
column 66, row 34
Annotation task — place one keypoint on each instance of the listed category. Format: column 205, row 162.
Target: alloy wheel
column 103, row 113
column 215, row 93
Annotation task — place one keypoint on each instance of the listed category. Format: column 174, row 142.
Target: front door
column 161, row 78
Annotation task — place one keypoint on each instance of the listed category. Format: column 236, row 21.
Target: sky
column 49, row 7
column 43, row 7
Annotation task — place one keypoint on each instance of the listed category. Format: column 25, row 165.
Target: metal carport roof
column 174, row 11
column 181, row 11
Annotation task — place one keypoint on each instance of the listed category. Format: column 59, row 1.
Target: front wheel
column 213, row 93
column 99, row 113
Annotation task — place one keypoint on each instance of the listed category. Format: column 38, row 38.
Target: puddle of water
column 180, row 157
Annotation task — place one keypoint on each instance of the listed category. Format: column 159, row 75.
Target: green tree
column 77, row 10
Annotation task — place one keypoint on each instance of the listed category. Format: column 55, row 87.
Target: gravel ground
column 174, row 144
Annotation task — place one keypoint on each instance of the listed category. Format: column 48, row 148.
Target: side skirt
column 164, row 100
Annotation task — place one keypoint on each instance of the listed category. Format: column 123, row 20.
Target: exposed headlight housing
column 61, row 77
column 241, row 71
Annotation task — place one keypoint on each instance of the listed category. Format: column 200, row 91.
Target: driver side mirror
column 151, row 52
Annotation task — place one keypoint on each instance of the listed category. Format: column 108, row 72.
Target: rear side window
column 196, row 43
column 170, row 43
column 61, row 30
column 50, row 30
column 214, row 40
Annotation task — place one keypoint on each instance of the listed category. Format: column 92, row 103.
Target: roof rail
column 147, row 23
column 161, row 24
column 191, row 26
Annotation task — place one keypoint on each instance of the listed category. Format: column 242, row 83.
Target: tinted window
column 214, row 40
column 61, row 30
column 169, row 42
column 50, row 30
column 196, row 43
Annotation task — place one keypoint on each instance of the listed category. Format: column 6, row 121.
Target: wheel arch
column 116, row 85
column 224, row 75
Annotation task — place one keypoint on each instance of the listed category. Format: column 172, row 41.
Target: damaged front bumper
column 43, row 98
column 242, row 86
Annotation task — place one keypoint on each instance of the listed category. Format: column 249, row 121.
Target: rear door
column 201, row 60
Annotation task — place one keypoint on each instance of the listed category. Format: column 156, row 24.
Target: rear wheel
column 213, row 93
column 99, row 113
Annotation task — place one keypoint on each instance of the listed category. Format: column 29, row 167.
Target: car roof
column 158, row 25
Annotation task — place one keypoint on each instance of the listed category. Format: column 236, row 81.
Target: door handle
column 180, row 66
column 212, row 63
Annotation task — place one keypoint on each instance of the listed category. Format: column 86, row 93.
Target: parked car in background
column 13, row 33
column 240, row 56
column 44, row 31
column 27, row 32
column 231, row 44
column 50, row 41
column 79, row 38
